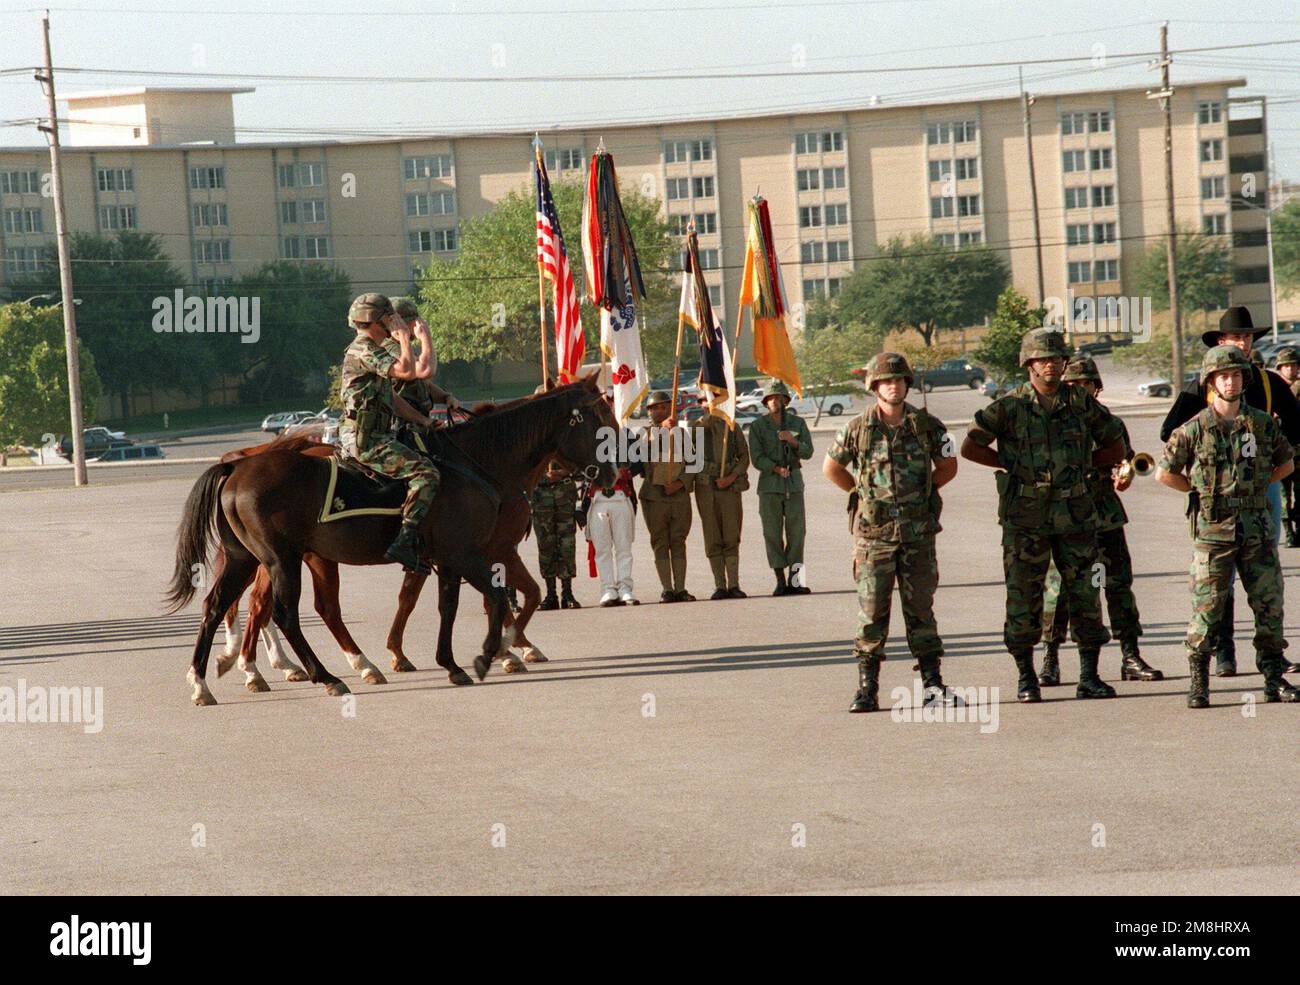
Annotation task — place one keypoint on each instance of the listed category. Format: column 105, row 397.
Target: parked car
column 275, row 423
column 953, row 372
column 1099, row 345
column 97, row 440
column 323, row 420
column 1163, row 387
column 132, row 453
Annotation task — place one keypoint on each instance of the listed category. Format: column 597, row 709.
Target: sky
column 224, row 42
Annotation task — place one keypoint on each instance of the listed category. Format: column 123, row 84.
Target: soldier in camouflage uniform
column 1288, row 367
column 1112, row 547
column 1225, row 458
column 369, row 406
column 901, row 456
column 421, row 394
column 556, row 527
column 718, row 497
column 1046, row 435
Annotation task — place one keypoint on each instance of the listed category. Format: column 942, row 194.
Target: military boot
column 1050, row 675
column 1198, row 692
column 932, row 685
column 1292, row 539
column 1277, row 687
column 550, row 602
column 1027, row 687
column 405, row 550
column 867, row 698
column 718, row 565
column 1225, row 648
column 567, row 601
column 1132, row 667
column 781, row 587
column 1090, row 685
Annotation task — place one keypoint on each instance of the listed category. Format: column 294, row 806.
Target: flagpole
column 541, row 276
column 735, row 351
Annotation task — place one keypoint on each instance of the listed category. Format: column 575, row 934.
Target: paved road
column 749, row 751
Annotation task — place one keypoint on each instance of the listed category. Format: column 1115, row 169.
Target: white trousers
column 611, row 530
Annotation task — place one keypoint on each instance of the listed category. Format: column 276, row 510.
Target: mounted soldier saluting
column 369, row 406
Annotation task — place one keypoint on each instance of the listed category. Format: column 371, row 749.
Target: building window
column 964, row 132
column 941, row 206
column 1213, row 187
column 215, row 286
column 115, row 180
column 316, row 248
column 204, row 177
column 834, row 178
column 1072, row 123
column 1249, row 237
column 1072, row 160
column 286, row 176
column 808, row 179
column 709, row 259
column 1101, row 159
column 114, row 217
column 311, row 175
column 706, row 223
column 837, row 215
column 810, row 216
column 20, row 221
column 967, row 168
column 22, row 260
column 210, row 214
column 1242, row 163
column 1250, row 275
column 826, row 141
column 20, row 183
column 701, row 150
column 212, row 251
column 289, row 213
column 938, row 172
column 429, row 166
column 1080, row 271
column 938, row 133
column 313, row 210
column 1076, row 198
column 813, row 252
column 1209, row 113
column 1105, row 270
column 1103, row 232
column 702, row 187
column 837, row 251
column 1099, row 121
column 444, row 240
column 291, row 248
column 420, row 241
column 430, row 203
column 1102, row 196
column 944, row 239
column 678, row 188
column 1076, row 235
column 968, row 205
column 1214, row 225
column 814, row 289
column 833, row 286
column 676, row 151
column 969, row 239
column 715, row 295
column 564, row 159
column 1211, row 150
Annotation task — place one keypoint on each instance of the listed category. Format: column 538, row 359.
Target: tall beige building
column 838, row 183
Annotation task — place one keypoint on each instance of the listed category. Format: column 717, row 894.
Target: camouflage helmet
column 1082, row 368
column 368, row 308
column 1042, row 343
column 888, row 366
column 775, row 388
column 658, row 397
column 1223, row 357
column 406, row 308
column 1287, row 354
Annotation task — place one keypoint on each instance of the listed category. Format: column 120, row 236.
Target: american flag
column 553, row 261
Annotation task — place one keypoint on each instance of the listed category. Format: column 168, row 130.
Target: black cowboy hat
column 1236, row 320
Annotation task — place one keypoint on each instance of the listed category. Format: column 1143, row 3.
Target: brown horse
column 265, row 508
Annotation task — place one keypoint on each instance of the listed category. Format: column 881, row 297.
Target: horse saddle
column 355, row 490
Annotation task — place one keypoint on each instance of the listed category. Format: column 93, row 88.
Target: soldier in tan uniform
column 718, row 490
column 665, row 496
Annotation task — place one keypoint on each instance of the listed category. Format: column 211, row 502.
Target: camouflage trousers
column 1211, row 584
column 555, row 527
column 1025, row 558
column 1121, row 606
column 877, row 564
column 389, row 457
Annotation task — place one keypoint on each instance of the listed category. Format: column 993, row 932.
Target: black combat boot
column 1090, row 685
column 1292, row 539
column 567, row 601
column 1132, row 667
column 1050, row 675
column 781, row 587
column 1198, row 692
column 933, row 688
column 867, row 698
column 796, row 585
column 405, row 550
column 1276, row 687
column 1225, row 649
column 550, row 602
column 1027, row 687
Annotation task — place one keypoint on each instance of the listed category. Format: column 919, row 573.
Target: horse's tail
column 198, row 522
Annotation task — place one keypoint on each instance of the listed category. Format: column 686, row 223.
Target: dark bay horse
column 264, row 509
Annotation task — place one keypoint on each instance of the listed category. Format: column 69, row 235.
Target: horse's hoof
column 257, row 685
column 373, row 675
column 203, row 698
column 225, row 662
column 296, row 676
column 460, row 678
column 482, row 665
column 513, row 665
column 533, row 655
column 337, row 689
column 403, row 666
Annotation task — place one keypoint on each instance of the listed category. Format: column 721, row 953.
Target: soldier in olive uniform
column 779, row 442
column 369, row 405
column 665, row 496
column 420, row 394
column 901, row 455
column 1112, row 547
column 1046, row 435
column 1225, row 458
column 555, row 524
column 718, row 490
column 1288, row 367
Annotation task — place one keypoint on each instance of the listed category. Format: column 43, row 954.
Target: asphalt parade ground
column 689, row 748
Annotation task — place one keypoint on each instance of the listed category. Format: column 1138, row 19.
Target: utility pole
column 1027, row 101
column 65, row 265
column 1268, row 211
column 1165, row 95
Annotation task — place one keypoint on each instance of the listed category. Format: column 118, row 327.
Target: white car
column 275, row 423
column 833, row 406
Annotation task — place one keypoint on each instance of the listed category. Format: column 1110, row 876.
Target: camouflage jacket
column 414, row 392
column 1046, row 456
column 896, row 497
column 366, row 392
column 709, row 429
column 1110, row 511
column 1228, row 465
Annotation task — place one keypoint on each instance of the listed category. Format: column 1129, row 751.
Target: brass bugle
column 1143, row 463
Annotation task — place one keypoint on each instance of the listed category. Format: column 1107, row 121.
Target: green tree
column 999, row 350
column 482, row 305
column 1286, row 247
column 1204, row 274
column 34, row 376
column 826, row 358
column 922, row 286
